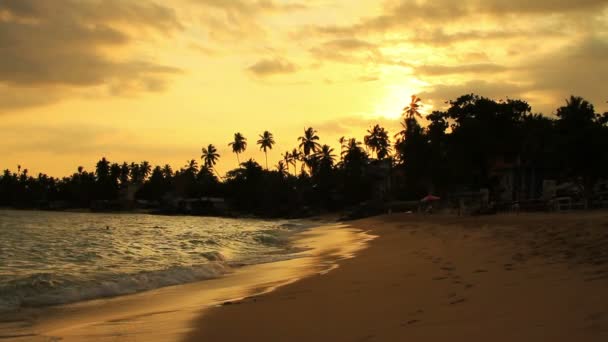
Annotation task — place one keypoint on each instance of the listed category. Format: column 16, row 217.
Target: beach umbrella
column 429, row 198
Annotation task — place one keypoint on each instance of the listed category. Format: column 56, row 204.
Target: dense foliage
column 447, row 151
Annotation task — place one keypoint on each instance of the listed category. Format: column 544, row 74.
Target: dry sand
column 533, row 277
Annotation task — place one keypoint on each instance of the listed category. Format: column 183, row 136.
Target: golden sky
column 156, row 80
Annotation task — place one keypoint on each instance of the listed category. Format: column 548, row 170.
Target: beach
column 401, row 277
column 532, row 277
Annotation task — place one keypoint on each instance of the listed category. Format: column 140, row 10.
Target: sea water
column 49, row 258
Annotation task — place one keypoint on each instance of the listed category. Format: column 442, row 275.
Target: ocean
column 50, row 258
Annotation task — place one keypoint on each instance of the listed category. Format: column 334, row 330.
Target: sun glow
column 395, row 99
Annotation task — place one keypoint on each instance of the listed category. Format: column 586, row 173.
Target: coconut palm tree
column 309, row 141
column 378, row 141
column 342, row 142
column 413, row 109
column 239, row 145
column 295, row 156
column 326, row 156
column 287, row 159
column 266, row 141
column 192, row 167
column 281, row 169
column 209, row 156
column 167, row 171
column 145, row 168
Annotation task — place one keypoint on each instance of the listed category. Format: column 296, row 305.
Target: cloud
column 415, row 13
column 580, row 68
column 439, row 70
column 84, row 139
column 349, row 124
column 229, row 20
column 441, row 93
column 12, row 98
column 250, row 7
column 347, row 50
column 272, row 66
column 65, row 43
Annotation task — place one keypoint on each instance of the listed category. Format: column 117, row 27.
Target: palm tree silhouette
column 287, row 159
column 167, row 171
column 281, row 169
column 145, row 168
column 266, row 141
column 239, row 145
column 210, row 157
column 378, row 141
column 342, row 142
column 295, row 156
column 309, row 141
column 192, row 166
column 326, row 156
column 413, row 109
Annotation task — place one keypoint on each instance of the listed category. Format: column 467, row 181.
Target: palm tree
column 135, row 173
column 281, row 169
column 239, row 145
column 287, row 159
column 145, row 168
column 192, row 166
column 295, row 156
column 326, row 156
column 309, row 141
column 342, row 142
column 209, row 156
column 378, row 141
column 413, row 109
column 167, row 171
column 266, row 141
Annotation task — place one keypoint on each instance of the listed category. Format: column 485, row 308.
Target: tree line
column 444, row 152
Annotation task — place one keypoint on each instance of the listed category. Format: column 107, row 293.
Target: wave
column 46, row 289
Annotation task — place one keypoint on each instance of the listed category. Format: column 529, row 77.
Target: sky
column 136, row 80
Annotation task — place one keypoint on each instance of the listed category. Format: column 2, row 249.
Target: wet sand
column 532, row 277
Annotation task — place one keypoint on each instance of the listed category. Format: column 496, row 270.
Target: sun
column 396, row 97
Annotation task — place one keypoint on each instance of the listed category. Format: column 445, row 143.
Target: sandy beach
column 529, row 277
column 533, row 277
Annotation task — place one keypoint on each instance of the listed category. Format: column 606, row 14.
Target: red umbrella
column 429, row 198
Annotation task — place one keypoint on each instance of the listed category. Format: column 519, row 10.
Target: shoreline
column 529, row 277
column 173, row 307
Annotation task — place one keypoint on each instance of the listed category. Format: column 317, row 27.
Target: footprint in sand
column 458, row 301
column 480, row 271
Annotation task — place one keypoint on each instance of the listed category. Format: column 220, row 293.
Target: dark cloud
column 272, row 66
column 15, row 99
column 413, row 13
column 579, row 69
column 64, row 43
column 348, row 50
column 442, row 93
